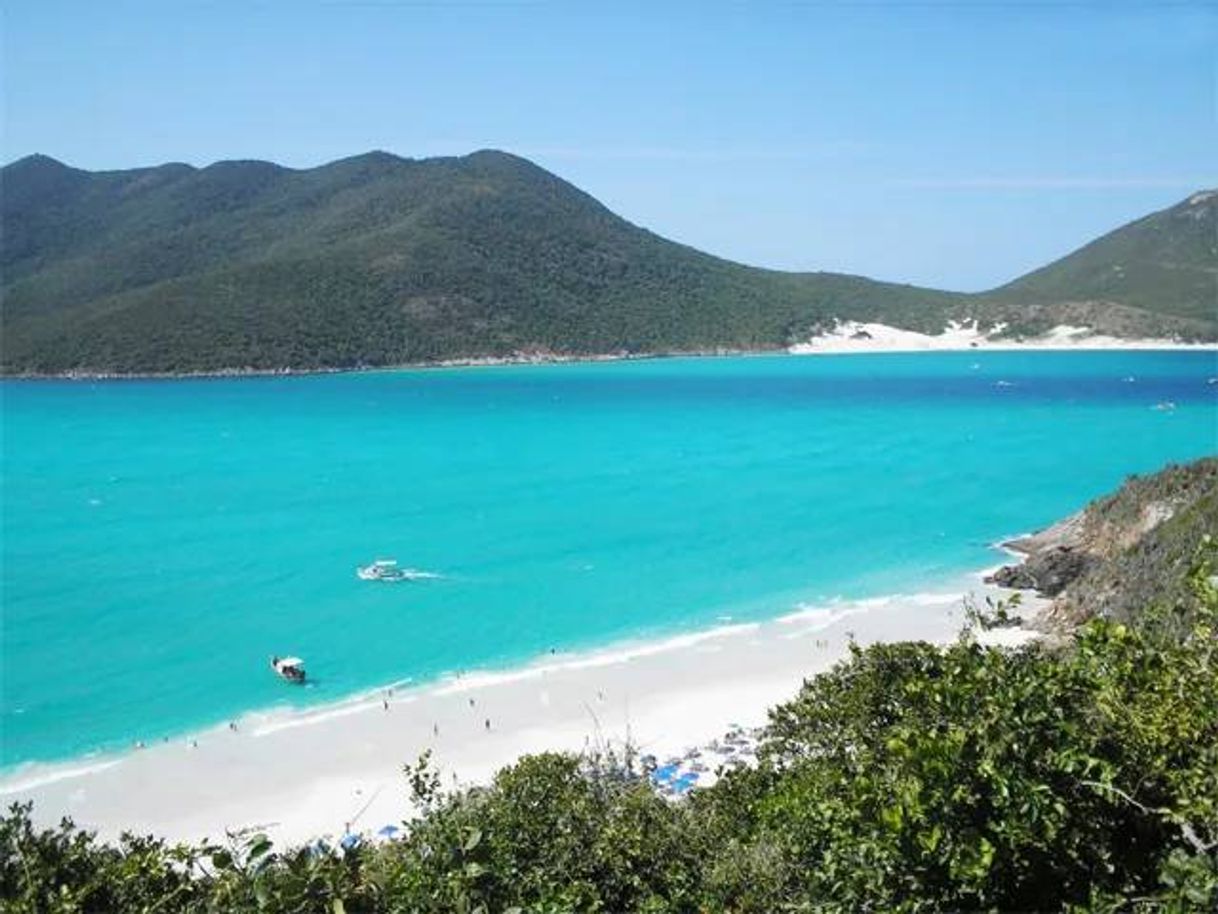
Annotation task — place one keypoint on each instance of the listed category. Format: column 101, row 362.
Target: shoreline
column 663, row 696
column 268, row 719
column 467, row 362
column 820, row 346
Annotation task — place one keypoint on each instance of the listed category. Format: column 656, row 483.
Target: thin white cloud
column 1136, row 182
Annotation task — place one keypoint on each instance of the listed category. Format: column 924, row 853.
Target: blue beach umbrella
column 388, row 831
column 660, row 775
column 684, row 782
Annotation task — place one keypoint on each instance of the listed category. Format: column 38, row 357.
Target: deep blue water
column 162, row 538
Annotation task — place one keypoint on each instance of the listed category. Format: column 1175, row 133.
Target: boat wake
column 388, row 571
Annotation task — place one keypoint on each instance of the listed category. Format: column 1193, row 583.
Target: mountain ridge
column 1173, row 249
column 377, row 260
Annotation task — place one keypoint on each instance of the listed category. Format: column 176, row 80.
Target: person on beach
column 435, row 729
column 488, row 723
column 385, row 703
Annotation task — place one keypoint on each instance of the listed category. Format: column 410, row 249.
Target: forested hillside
column 1165, row 263
column 371, row 261
column 379, row 260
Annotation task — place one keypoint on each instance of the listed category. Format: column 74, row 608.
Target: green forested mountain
column 1166, row 262
column 379, row 260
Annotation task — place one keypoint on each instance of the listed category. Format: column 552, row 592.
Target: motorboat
column 289, row 668
column 388, row 571
column 381, row 570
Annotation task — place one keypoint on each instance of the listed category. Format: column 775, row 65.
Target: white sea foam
column 831, row 611
column 807, row 612
column 1002, row 546
column 39, row 774
column 293, row 719
column 609, row 657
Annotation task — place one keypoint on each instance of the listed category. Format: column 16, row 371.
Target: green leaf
column 258, row 845
column 473, row 839
column 892, row 816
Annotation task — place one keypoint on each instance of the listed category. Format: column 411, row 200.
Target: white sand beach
column 856, row 336
column 300, row 775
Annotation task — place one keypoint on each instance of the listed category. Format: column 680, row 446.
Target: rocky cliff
column 1123, row 552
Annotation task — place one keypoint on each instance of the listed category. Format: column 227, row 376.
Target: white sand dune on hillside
column 858, row 336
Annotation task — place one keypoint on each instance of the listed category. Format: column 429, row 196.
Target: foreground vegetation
column 911, row 777
column 378, row 260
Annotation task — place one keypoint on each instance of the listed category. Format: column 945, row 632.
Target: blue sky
column 946, row 144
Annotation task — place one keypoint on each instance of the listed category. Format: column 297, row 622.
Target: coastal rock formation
column 1048, row 572
column 1128, row 550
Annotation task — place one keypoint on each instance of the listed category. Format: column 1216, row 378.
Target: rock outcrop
column 1123, row 552
column 1048, row 572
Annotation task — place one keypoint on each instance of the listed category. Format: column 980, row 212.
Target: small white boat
column 388, row 571
column 289, row 668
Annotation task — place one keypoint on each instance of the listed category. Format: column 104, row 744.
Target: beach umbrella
column 348, row 841
column 661, row 775
column 388, row 831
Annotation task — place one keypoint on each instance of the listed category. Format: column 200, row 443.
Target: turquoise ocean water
column 162, row 538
